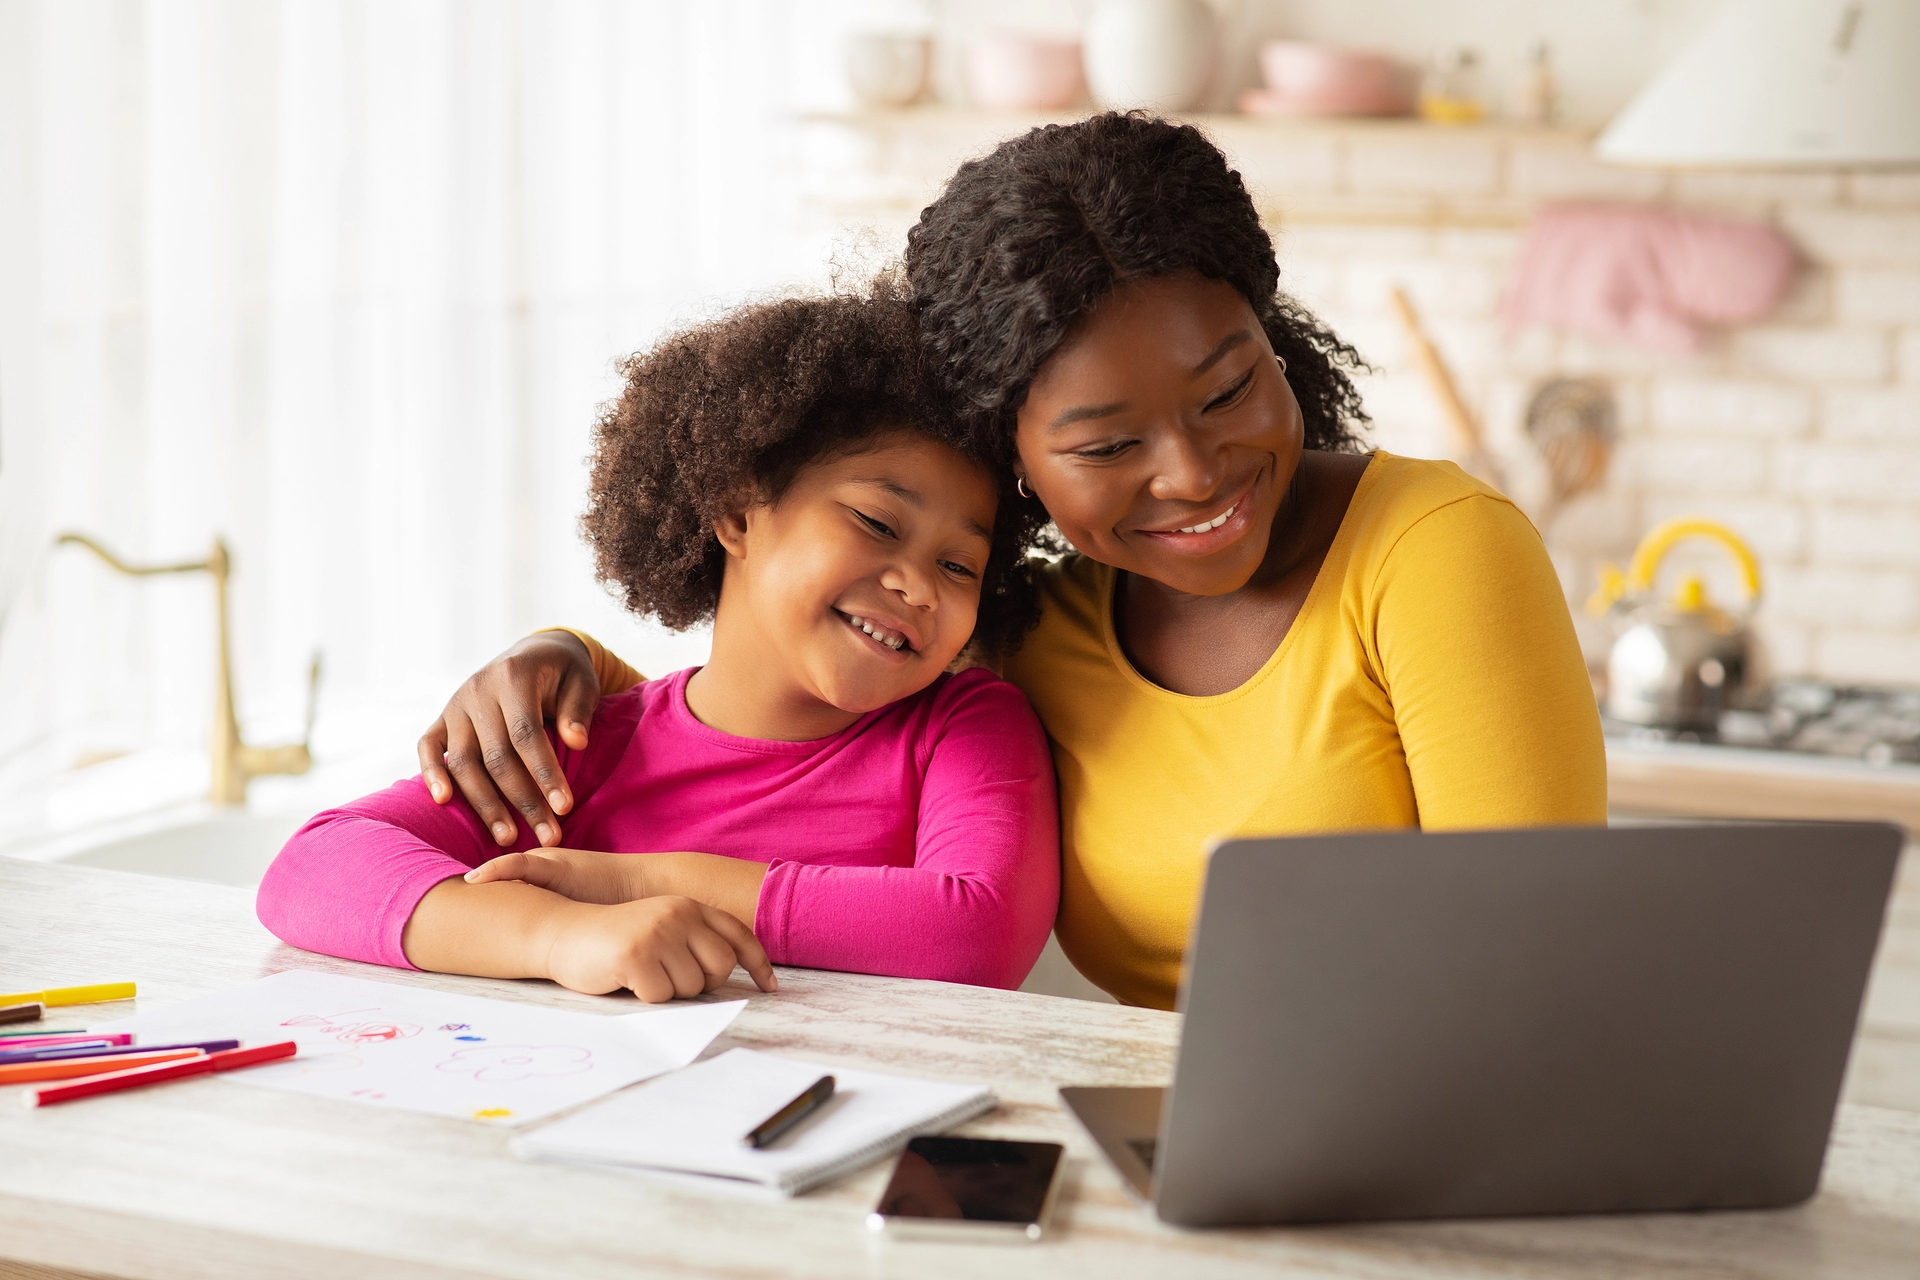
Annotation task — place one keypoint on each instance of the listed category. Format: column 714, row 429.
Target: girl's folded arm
column 348, row 881
column 980, row 899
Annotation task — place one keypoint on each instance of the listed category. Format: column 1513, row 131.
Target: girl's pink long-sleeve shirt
column 922, row 841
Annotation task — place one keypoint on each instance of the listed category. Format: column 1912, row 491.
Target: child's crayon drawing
column 507, row 1063
column 345, row 1028
column 495, row 1061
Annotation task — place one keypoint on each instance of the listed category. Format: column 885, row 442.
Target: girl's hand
column 658, row 948
column 492, row 736
column 580, row 874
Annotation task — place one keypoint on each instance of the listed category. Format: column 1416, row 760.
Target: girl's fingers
column 716, row 955
column 470, row 775
column 432, row 749
column 501, row 756
column 686, row 974
column 651, row 983
column 751, row 955
column 547, row 873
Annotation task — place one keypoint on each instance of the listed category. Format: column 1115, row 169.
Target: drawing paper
column 494, row 1061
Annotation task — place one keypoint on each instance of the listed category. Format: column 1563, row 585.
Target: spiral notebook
column 692, row 1122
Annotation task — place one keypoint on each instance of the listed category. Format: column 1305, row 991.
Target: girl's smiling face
column 1162, row 434
column 860, row 584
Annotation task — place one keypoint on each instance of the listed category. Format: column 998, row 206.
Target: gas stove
column 1879, row 726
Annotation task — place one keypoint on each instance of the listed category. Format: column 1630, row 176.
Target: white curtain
column 343, row 282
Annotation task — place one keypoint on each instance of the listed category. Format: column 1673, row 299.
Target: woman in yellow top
column 1258, row 628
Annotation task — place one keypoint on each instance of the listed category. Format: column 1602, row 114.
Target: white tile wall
column 1801, row 432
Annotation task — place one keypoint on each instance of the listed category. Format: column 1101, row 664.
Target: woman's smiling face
column 1162, row 435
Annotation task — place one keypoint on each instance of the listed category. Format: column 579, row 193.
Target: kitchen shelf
column 944, row 118
column 1354, row 172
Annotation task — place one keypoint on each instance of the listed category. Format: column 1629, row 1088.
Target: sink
column 221, row 849
column 146, row 812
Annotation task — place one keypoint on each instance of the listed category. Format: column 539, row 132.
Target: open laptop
column 1562, row 1020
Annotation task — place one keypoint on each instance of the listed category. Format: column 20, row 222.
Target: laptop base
column 1126, row 1124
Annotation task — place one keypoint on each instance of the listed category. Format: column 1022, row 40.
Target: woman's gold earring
column 1283, row 363
column 1020, row 487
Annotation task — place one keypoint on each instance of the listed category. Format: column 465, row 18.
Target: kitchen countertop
column 1708, row 781
column 206, row 1178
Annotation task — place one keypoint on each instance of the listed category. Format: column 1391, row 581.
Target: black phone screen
column 978, row 1179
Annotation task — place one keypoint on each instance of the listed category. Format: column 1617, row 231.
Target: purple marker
column 35, row 1054
column 78, row 1051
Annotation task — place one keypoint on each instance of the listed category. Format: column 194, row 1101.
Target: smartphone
column 970, row 1188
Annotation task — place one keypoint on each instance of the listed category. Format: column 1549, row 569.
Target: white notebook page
column 694, row 1120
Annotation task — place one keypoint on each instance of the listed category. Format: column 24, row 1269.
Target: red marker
column 114, row 1081
column 68, row 1068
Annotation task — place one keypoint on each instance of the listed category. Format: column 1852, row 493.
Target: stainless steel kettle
column 1676, row 663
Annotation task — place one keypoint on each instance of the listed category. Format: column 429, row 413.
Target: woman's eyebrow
column 1228, row 343
column 1080, row 413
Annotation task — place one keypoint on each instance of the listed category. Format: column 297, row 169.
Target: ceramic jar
column 1157, row 54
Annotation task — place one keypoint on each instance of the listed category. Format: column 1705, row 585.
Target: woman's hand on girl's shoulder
column 491, row 739
column 657, row 948
column 581, row 874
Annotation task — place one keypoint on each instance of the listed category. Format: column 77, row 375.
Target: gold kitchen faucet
column 234, row 761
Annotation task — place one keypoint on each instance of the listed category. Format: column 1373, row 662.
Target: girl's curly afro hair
column 731, row 411
column 1025, row 241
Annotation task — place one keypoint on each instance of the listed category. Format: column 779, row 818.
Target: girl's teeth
column 1214, row 523
column 881, row 634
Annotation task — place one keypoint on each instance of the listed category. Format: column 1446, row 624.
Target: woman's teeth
column 891, row 639
column 1214, row 523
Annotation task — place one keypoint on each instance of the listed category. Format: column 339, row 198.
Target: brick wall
column 1801, row 432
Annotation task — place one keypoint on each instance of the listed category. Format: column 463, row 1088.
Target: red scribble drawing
column 344, row 1028
column 509, row 1063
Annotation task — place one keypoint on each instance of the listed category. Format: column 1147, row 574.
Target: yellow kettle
column 1676, row 663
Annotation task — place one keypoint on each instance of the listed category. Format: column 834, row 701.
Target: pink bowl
column 1316, row 80
column 1015, row 72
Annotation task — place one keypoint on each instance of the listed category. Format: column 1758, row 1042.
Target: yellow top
column 1431, row 679
column 611, row 670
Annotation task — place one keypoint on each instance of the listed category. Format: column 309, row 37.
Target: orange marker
column 68, row 1068
column 113, row 1081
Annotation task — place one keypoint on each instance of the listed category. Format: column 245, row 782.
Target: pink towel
column 1646, row 275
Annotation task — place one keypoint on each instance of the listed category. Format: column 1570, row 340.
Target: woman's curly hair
column 1025, row 241
column 731, row 411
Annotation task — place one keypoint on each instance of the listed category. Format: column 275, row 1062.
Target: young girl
column 823, row 792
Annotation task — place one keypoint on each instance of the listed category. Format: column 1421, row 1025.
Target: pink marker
column 14, row 1043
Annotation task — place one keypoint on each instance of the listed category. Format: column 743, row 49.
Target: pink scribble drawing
column 510, row 1063
column 342, row 1028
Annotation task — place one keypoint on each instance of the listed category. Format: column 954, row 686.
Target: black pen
column 768, row 1131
